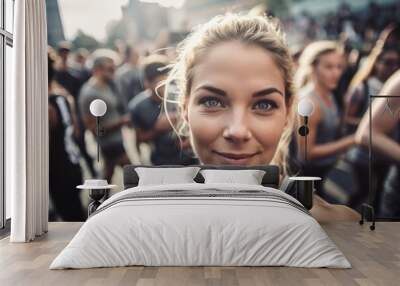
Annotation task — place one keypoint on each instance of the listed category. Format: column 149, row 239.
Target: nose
column 237, row 129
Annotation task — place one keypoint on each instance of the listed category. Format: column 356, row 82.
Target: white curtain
column 27, row 124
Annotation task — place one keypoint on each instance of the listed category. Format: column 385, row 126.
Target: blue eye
column 265, row 105
column 210, row 102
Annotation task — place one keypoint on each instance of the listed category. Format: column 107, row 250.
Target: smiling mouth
column 234, row 156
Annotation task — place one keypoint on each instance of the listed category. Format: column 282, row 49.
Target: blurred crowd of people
column 134, row 100
column 356, row 28
column 344, row 59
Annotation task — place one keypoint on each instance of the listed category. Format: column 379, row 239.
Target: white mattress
column 185, row 230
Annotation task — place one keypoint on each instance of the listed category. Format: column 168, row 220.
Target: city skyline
column 77, row 14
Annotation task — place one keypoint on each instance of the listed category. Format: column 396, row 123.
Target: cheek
column 268, row 132
column 327, row 75
column 204, row 128
column 378, row 67
column 324, row 73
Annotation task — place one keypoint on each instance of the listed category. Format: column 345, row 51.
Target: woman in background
column 320, row 68
column 234, row 76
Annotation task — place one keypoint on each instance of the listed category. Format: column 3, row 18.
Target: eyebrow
column 212, row 89
column 265, row 91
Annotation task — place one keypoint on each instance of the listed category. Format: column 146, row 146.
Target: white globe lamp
column 98, row 107
column 305, row 107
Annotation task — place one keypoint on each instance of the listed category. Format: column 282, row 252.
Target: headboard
column 270, row 179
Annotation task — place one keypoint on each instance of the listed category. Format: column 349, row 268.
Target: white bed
column 201, row 224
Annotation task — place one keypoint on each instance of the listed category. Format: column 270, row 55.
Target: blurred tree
column 86, row 41
column 122, row 30
column 116, row 30
column 279, row 8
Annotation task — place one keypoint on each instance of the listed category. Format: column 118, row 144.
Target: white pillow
column 248, row 177
column 162, row 176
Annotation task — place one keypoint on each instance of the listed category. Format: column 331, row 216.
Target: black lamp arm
column 97, row 137
column 303, row 131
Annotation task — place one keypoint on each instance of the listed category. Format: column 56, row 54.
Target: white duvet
column 207, row 230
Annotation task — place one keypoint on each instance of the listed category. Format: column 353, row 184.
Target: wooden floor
column 375, row 257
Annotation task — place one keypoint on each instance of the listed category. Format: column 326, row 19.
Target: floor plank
column 374, row 255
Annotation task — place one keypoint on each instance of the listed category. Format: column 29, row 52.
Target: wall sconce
column 98, row 108
column 305, row 108
column 97, row 188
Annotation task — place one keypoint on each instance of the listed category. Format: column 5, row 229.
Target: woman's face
column 236, row 109
column 387, row 64
column 328, row 69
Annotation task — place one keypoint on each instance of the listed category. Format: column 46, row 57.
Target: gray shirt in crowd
column 129, row 82
column 90, row 92
column 145, row 111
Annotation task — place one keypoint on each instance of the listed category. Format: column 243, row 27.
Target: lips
column 236, row 158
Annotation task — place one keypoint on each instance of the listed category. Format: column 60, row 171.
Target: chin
column 333, row 86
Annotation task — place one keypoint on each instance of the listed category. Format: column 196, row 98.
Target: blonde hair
column 252, row 30
column 368, row 67
column 309, row 58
